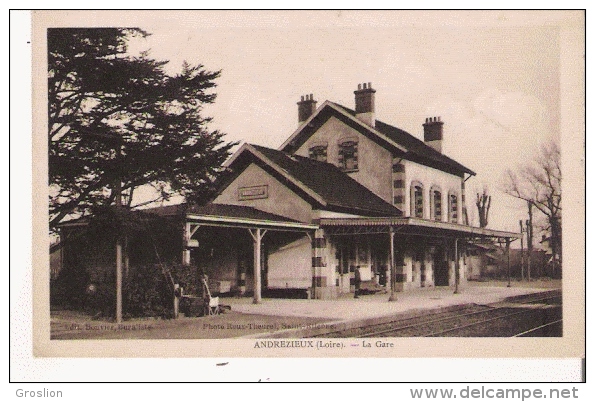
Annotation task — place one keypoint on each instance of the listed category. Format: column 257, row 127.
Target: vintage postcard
column 309, row 184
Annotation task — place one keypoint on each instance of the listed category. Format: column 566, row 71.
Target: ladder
column 213, row 301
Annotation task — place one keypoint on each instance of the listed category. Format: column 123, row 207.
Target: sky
column 492, row 77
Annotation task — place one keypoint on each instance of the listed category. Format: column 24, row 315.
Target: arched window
column 453, row 204
column 436, row 202
column 417, row 200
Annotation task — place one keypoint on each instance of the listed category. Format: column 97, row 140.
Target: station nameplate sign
column 253, row 192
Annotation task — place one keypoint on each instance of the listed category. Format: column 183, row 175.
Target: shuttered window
column 348, row 158
column 418, row 201
column 318, row 153
column 437, row 203
column 453, row 208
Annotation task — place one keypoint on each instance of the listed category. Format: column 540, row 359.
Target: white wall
column 291, row 265
column 280, row 200
column 429, row 178
column 374, row 162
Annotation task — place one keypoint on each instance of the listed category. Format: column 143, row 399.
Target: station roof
column 417, row 150
column 393, row 138
column 411, row 226
column 323, row 184
column 231, row 216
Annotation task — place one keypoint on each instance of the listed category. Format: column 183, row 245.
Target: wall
column 280, row 201
column 462, row 272
column 431, row 178
column 374, row 162
column 474, row 267
column 55, row 263
column 291, row 265
column 323, row 267
column 223, row 266
column 408, row 270
column 429, row 271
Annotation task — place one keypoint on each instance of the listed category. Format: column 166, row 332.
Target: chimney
column 306, row 108
column 364, row 104
column 433, row 133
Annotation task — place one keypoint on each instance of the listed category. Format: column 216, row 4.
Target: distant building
column 55, row 259
column 488, row 260
column 482, row 261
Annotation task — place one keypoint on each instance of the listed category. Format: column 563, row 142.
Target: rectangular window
column 348, row 156
column 398, row 168
column 318, row 153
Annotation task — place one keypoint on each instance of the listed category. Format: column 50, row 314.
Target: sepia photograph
column 334, row 183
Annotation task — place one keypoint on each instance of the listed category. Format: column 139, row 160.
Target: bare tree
column 483, row 204
column 539, row 184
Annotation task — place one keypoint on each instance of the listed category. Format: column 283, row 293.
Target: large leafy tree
column 114, row 117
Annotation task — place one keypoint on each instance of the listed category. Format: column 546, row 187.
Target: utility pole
column 456, row 266
column 529, row 226
column 393, row 285
column 508, row 259
column 522, row 251
column 118, row 191
column 118, row 141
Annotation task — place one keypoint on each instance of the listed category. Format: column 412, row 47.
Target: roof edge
column 250, row 148
column 335, row 107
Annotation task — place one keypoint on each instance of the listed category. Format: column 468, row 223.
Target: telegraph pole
column 522, row 255
column 393, row 285
column 529, row 227
column 508, row 259
column 118, row 191
column 118, row 203
column 457, row 267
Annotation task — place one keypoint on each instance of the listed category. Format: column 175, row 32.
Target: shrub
column 68, row 289
column 148, row 292
column 188, row 277
column 101, row 298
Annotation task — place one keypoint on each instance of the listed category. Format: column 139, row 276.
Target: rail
column 414, row 326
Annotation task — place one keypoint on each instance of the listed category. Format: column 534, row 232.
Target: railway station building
column 344, row 191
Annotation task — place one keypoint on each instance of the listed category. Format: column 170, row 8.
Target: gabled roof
column 323, row 184
column 393, row 138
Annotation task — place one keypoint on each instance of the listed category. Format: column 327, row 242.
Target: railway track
column 532, row 315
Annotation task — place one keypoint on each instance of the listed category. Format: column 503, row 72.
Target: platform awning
column 239, row 216
column 256, row 221
column 410, row 226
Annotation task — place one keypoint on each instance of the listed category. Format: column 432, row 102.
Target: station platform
column 369, row 307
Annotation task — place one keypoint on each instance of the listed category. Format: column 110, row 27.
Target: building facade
column 344, row 191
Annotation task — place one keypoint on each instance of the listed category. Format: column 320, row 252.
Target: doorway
column 440, row 267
